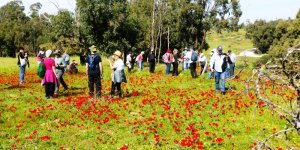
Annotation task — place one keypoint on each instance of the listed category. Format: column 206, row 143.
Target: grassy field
column 235, row 41
column 157, row 112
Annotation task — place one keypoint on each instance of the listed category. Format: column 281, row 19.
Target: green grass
column 235, row 41
column 172, row 109
column 158, row 112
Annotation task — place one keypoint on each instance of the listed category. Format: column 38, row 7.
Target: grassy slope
column 157, row 112
column 235, row 41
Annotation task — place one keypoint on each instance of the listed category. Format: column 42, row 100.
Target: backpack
column 194, row 56
column 91, row 62
column 151, row 57
column 41, row 70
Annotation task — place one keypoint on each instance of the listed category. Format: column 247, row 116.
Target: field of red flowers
column 157, row 112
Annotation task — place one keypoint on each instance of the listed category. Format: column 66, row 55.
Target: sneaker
column 223, row 93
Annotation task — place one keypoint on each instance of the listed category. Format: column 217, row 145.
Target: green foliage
column 275, row 37
column 287, row 35
column 63, row 24
column 12, row 20
column 262, row 34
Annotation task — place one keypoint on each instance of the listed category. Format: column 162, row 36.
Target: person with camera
column 218, row 64
column 60, row 66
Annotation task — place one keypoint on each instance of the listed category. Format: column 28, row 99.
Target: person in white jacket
column 218, row 65
column 231, row 66
column 202, row 63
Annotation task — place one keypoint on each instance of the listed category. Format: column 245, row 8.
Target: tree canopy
column 117, row 24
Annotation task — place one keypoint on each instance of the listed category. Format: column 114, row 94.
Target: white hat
column 48, row 53
column 42, row 52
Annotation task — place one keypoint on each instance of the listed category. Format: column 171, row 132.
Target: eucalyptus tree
column 12, row 30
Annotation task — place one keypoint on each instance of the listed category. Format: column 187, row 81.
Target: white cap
column 48, row 53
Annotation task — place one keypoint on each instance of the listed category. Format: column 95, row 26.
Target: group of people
column 94, row 71
column 221, row 66
column 54, row 69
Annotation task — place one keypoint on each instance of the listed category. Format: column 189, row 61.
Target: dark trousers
column 113, row 89
column 151, row 67
column 132, row 65
column 95, row 80
column 49, row 89
column 202, row 67
column 175, row 69
column 193, row 69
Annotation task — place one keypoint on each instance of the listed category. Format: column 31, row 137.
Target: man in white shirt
column 128, row 62
column 211, row 74
column 218, row 66
column 186, row 59
column 202, row 63
column 232, row 66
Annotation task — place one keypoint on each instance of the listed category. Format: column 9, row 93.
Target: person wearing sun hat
column 94, row 71
column 118, row 74
column 50, row 79
column 60, row 66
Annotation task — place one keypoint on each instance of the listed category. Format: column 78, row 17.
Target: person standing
column 232, row 66
column 186, row 59
column 118, row 74
column 133, row 58
column 40, row 56
column 128, row 62
column 218, row 65
column 94, row 70
column 139, row 60
column 60, row 66
column 175, row 63
column 210, row 74
column 168, row 59
column 151, row 61
column 193, row 62
column 66, row 57
column 22, row 64
column 202, row 63
column 50, row 79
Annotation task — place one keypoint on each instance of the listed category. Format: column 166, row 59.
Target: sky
column 252, row 9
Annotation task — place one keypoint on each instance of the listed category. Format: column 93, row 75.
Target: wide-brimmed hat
column 93, row 48
column 48, row 53
column 118, row 53
column 57, row 52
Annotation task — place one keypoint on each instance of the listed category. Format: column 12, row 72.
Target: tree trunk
column 160, row 33
column 203, row 41
column 168, row 37
column 152, row 30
